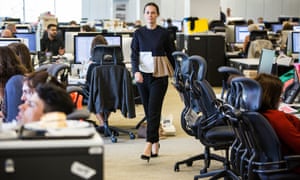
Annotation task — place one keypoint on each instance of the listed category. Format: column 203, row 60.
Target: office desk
column 244, row 63
column 50, row 159
column 234, row 54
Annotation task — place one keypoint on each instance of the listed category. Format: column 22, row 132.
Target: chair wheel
column 114, row 139
column 189, row 163
column 176, row 168
column 131, row 136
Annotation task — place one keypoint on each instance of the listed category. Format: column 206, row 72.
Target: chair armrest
column 81, row 114
column 71, row 89
column 293, row 161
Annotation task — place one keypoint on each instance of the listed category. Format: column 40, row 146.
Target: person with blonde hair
column 6, row 33
column 251, row 27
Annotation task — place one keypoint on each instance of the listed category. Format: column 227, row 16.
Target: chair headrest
column 198, row 66
column 179, row 55
column 258, row 34
column 250, row 93
column 107, row 54
column 229, row 70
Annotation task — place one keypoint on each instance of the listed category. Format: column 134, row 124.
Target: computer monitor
column 69, row 41
column 23, row 30
column 67, row 28
column 261, row 26
column 240, row 33
column 276, row 27
column 7, row 41
column 178, row 24
column 295, row 42
column 267, row 62
column 82, row 45
column 29, row 39
column 296, row 28
column 282, row 19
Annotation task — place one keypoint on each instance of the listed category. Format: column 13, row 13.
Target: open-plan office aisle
column 122, row 159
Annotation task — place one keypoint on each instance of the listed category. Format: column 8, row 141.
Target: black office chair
column 209, row 127
column 229, row 72
column 43, row 67
column 258, row 40
column 111, row 89
column 261, row 157
column 79, row 113
column 216, row 24
column 60, row 71
column 181, row 79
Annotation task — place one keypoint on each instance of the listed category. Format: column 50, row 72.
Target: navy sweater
column 155, row 40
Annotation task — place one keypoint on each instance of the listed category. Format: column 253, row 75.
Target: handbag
column 142, row 131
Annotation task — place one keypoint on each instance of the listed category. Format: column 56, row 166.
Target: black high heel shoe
column 155, row 154
column 144, row 157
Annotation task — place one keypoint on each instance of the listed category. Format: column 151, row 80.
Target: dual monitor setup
column 27, row 38
column 76, row 42
column 237, row 34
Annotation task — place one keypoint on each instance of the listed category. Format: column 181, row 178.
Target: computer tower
column 212, row 48
column 49, row 159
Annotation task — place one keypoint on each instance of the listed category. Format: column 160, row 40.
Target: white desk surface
column 245, row 61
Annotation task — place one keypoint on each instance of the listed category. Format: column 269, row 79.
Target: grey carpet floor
column 122, row 159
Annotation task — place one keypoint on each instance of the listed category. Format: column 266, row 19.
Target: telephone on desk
column 292, row 91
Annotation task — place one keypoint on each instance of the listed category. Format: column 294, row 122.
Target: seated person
column 287, row 27
column 11, row 80
column 32, row 80
column 99, row 39
column 13, row 28
column 6, row 33
column 87, row 28
column 51, row 43
column 47, row 98
column 286, row 126
column 251, row 27
column 23, row 53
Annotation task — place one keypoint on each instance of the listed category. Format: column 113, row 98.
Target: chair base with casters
column 112, row 132
column 140, row 122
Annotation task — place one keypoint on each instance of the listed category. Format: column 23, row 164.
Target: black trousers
column 152, row 92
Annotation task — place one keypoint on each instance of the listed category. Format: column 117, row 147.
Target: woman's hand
column 138, row 77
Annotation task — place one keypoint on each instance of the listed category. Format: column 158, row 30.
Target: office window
column 12, row 9
column 67, row 10
column 33, row 8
